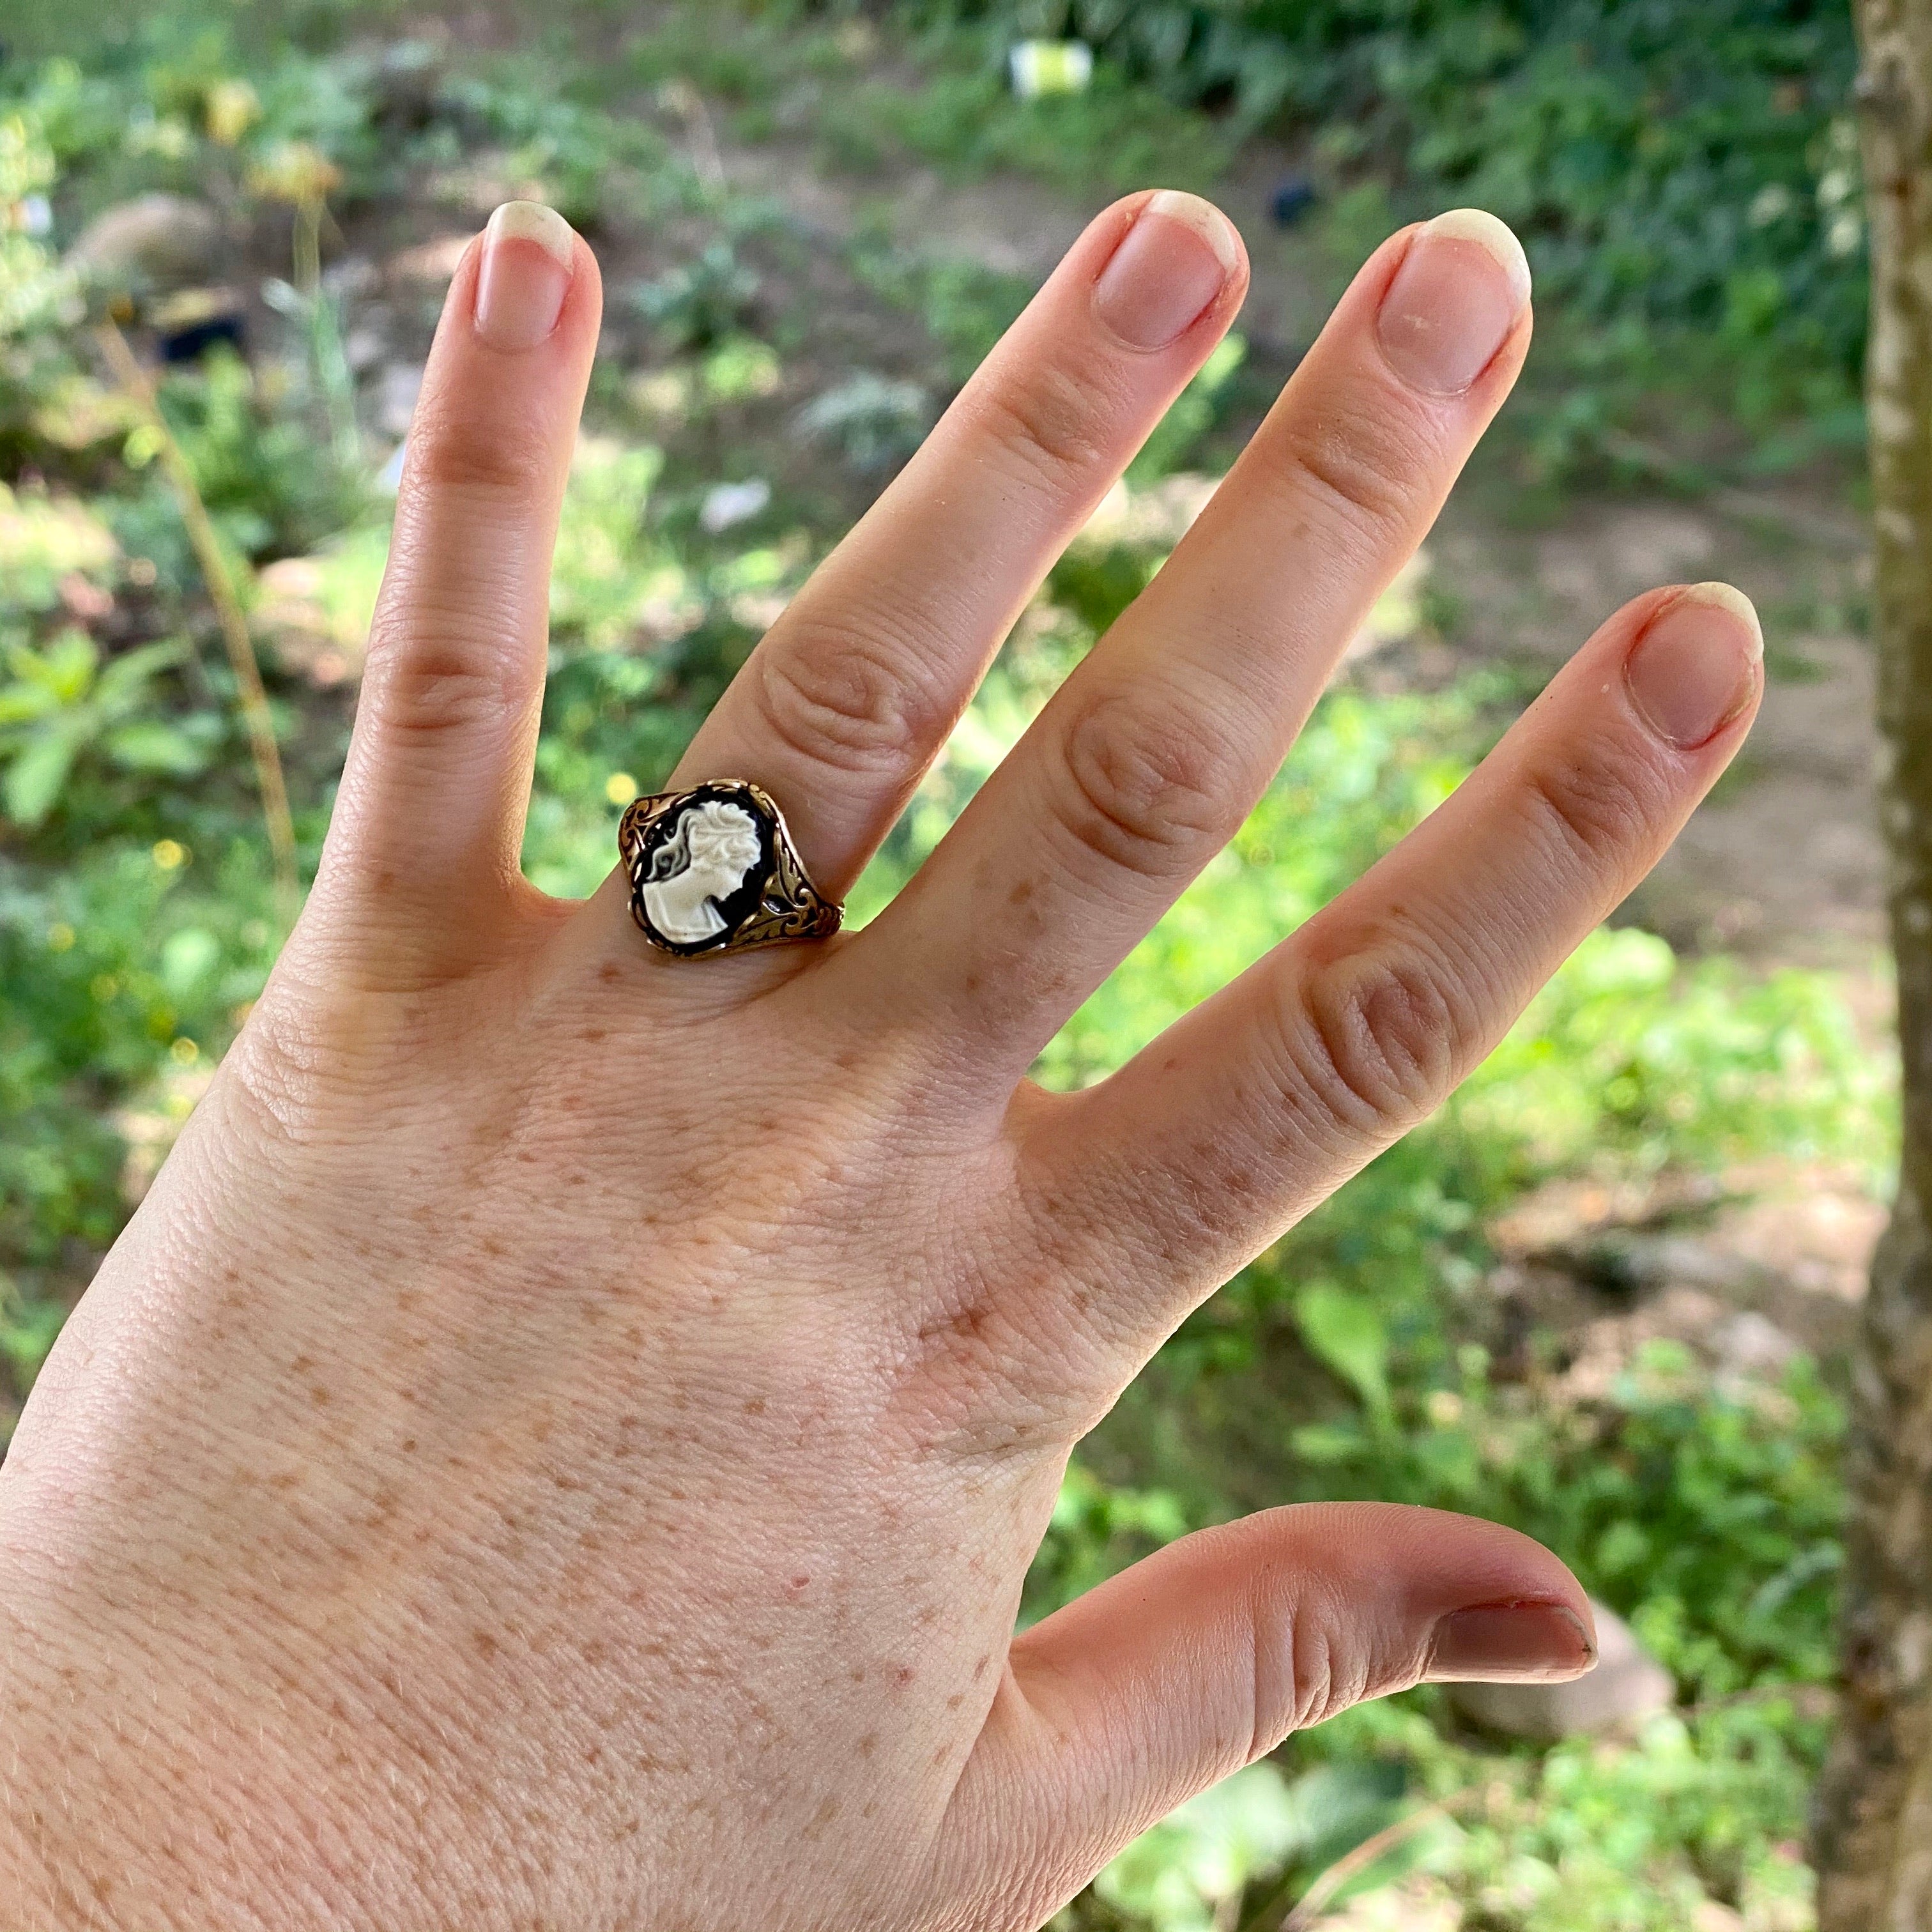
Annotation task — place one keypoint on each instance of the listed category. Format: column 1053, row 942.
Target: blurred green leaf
column 1346, row 1332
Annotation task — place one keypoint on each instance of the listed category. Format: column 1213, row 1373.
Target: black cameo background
column 741, row 904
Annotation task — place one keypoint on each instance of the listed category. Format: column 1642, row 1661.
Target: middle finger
column 1148, row 759
column 841, row 709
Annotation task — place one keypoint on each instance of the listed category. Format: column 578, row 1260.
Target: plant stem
column 220, row 583
column 1311, row 1906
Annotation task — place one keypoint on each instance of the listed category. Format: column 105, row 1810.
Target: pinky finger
column 1258, row 1105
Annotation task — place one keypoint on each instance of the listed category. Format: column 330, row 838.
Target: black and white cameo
column 702, row 871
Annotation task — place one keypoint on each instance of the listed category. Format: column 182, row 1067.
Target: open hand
column 560, row 1444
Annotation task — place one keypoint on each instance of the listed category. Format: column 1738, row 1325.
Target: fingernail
column 1507, row 1643
column 1167, row 268
column 1458, row 294
column 1696, row 668
column 529, row 255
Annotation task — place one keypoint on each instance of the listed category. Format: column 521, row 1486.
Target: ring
column 713, row 870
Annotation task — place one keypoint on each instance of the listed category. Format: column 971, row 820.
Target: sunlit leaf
column 35, row 778
column 1348, row 1333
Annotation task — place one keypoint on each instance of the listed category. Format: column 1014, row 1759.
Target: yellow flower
column 232, row 107
column 295, row 171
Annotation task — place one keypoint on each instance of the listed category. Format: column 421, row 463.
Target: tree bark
column 1872, row 1841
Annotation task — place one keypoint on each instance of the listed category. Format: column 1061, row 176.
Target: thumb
column 1199, row 1660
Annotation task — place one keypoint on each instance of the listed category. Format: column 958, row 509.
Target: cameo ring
column 713, row 870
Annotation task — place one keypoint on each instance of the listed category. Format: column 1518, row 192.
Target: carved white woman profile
column 711, row 852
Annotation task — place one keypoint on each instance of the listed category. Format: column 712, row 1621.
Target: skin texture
column 560, row 1444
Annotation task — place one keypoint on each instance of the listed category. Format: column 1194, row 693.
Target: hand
column 560, row 1444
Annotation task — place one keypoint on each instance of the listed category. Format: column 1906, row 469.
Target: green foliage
column 963, row 305
column 1193, row 414
column 60, row 704
column 1683, row 172
column 876, row 422
column 30, row 284
column 1187, row 1872
column 704, row 301
column 1114, row 136
column 105, row 997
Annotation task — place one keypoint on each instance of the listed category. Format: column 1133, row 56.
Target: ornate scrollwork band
column 713, row 870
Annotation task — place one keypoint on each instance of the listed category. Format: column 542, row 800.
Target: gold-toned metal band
column 772, row 900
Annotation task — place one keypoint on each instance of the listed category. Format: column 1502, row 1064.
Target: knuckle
column 294, row 1058
column 456, row 455
column 431, row 683
column 1594, row 810
column 1328, row 1673
column 1052, row 429
column 1364, row 467
column 1152, row 789
column 849, row 699
column 1376, row 1038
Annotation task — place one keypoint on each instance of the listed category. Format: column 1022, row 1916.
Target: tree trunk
column 1873, row 1827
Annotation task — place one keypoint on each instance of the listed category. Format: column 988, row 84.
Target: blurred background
column 1608, row 1296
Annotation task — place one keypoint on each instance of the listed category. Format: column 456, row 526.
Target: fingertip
column 1523, row 1642
column 1495, row 236
column 1455, row 302
column 1695, row 666
column 1214, row 227
column 1728, row 598
column 1177, row 261
column 523, row 276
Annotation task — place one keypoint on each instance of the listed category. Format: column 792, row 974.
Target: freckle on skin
column 756, row 1406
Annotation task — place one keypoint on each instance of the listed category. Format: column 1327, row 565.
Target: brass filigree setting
column 713, row 870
